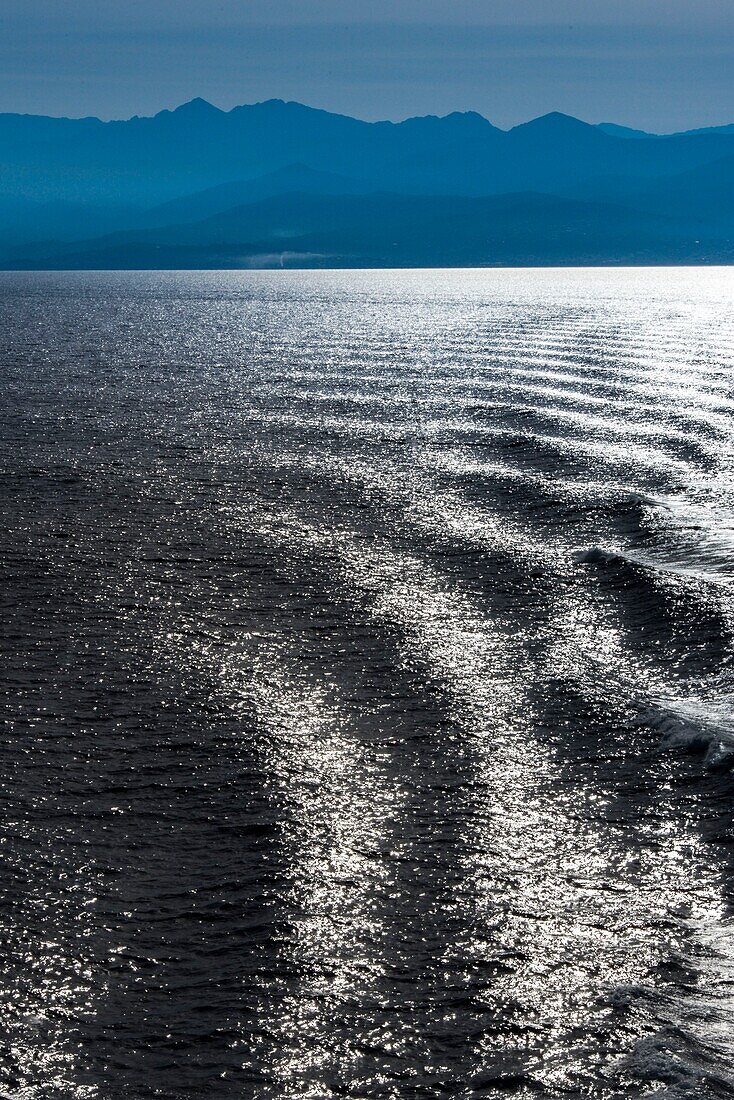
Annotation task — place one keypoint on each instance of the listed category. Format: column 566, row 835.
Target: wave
column 697, row 726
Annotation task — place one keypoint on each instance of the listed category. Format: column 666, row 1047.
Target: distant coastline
column 278, row 184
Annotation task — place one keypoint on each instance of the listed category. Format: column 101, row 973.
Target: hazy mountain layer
column 272, row 182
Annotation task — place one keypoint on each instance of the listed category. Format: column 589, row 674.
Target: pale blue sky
column 657, row 64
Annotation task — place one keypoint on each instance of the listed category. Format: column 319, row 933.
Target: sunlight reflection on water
column 370, row 673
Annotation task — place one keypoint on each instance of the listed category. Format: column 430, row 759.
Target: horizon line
column 200, row 102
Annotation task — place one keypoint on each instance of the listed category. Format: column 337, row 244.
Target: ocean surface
column 367, row 685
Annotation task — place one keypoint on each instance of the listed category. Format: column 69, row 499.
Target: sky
column 660, row 65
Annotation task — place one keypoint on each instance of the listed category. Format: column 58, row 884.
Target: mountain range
column 282, row 184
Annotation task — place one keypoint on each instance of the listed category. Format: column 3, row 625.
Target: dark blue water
column 367, row 685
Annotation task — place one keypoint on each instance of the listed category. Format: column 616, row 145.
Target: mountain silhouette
column 293, row 178
column 197, row 182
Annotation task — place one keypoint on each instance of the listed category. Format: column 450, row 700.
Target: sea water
column 367, row 684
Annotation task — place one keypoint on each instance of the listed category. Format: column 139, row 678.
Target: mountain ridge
column 198, row 102
column 181, row 166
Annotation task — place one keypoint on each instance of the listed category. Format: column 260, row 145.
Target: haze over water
column 368, row 650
